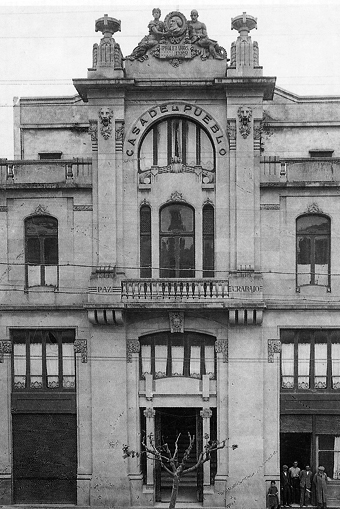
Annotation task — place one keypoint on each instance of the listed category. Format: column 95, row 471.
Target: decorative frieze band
column 80, row 346
column 221, row 346
column 274, row 346
column 5, row 347
column 82, row 208
column 132, row 346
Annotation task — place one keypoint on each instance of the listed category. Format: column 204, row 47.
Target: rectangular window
column 43, row 360
column 50, row 155
column 310, row 359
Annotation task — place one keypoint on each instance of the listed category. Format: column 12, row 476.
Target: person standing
column 294, row 472
column 305, row 486
column 273, row 498
column 285, row 486
column 320, row 481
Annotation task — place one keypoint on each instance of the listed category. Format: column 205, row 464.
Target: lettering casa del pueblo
column 170, row 237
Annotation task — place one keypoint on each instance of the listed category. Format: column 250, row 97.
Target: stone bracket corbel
column 106, row 316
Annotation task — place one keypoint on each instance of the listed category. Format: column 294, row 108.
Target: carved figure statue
column 198, row 35
column 156, row 32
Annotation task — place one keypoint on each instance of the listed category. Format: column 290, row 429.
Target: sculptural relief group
column 177, row 38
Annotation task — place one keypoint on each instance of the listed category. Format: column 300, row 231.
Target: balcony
column 241, row 296
column 182, row 290
column 299, row 172
column 45, row 173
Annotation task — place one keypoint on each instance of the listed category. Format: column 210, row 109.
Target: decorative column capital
column 5, row 347
column 149, row 413
column 221, row 346
column 80, row 346
column 132, row 346
column 206, row 413
column 274, row 346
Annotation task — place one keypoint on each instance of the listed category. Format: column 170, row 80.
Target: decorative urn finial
column 243, row 23
column 107, row 25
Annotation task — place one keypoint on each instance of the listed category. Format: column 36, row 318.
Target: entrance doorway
column 296, row 447
column 171, row 422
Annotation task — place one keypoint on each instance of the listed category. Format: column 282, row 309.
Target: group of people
column 297, row 486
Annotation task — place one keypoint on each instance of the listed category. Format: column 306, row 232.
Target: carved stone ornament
column 221, row 346
column 3, row 208
column 314, row 208
column 206, row 413
column 40, row 210
column 149, row 413
column 132, row 346
column 80, row 346
column 270, row 206
column 176, row 196
column 93, row 130
column 244, row 114
column 119, row 135
column 144, row 202
column 5, row 347
column 105, row 118
column 231, row 133
column 82, row 208
column 176, row 322
column 177, row 40
column 274, row 346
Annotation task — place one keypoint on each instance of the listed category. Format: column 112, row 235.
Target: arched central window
column 313, row 250
column 177, row 241
column 176, row 140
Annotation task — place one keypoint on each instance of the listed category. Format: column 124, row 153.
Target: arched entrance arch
column 175, row 109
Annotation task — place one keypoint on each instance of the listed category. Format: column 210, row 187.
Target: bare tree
column 175, row 467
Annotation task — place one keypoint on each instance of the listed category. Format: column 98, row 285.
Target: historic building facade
column 169, row 265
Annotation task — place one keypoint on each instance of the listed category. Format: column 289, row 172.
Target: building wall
column 264, row 179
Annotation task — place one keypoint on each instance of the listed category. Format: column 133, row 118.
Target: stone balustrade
column 174, row 289
column 45, row 172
